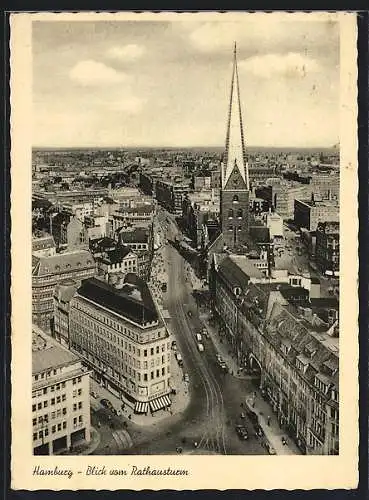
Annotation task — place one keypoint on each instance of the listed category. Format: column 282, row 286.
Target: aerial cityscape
column 185, row 298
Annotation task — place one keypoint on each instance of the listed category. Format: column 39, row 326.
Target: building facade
column 276, row 336
column 308, row 213
column 117, row 330
column 60, row 397
column 327, row 248
column 47, row 272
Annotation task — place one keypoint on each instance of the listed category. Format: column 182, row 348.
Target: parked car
column 189, row 313
column 219, row 358
column 186, row 377
column 242, row 432
column 200, row 347
column 198, row 337
column 93, row 394
column 179, row 359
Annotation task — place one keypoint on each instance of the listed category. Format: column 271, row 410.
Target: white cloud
column 93, row 73
column 127, row 53
column 129, row 104
column 291, row 65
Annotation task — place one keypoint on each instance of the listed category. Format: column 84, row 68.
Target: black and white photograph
column 185, row 210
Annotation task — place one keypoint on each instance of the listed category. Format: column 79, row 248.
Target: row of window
column 56, row 428
column 45, row 403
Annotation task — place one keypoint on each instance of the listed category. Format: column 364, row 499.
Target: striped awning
column 141, row 407
column 159, row 403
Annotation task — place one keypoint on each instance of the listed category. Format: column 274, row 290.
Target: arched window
column 235, row 199
column 239, row 213
column 230, row 213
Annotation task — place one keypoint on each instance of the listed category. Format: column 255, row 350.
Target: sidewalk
column 222, row 347
column 180, row 400
column 272, row 432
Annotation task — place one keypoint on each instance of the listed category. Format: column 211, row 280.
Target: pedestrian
column 268, row 421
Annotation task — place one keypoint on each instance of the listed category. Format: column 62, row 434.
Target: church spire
column 235, row 155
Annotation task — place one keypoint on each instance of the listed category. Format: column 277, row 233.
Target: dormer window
column 237, row 291
column 235, row 199
column 230, row 213
column 239, row 213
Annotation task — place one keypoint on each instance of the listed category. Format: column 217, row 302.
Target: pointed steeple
column 235, row 155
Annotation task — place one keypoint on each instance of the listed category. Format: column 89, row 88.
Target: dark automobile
column 242, row 432
column 107, row 404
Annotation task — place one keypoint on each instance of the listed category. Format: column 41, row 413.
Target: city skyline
column 136, row 84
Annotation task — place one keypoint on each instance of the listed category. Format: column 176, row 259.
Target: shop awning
column 159, row 403
column 141, row 407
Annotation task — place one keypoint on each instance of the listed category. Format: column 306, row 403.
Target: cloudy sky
column 167, row 83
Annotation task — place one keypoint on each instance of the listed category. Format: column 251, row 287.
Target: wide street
column 216, row 397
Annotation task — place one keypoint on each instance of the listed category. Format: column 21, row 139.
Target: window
column 151, row 375
column 145, row 377
column 157, row 348
column 33, row 407
column 79, row 392
column 45, row 390
column 80, row 419
column 64, row 397
column 163, row 371
column 145, row 353
column 80, row 405
column 64, row 425
column 40, row 434
column 58, row 399
column 53, row 429
column 34, row 421
column 152, row 351
column 39, row 406
column 64, row 411
column 34, row 436
column 75, row 421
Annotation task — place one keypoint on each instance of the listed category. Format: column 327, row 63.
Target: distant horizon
column 116, row 147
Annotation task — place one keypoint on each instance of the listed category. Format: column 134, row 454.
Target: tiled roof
column 139, row 308
column 62, row 262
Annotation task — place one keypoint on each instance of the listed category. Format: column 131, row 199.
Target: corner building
column 60, row 397
column 120, row 334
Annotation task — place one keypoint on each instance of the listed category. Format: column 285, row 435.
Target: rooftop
column 62, row 262
column 46, row 353
column 133, row 301
column 43, row 243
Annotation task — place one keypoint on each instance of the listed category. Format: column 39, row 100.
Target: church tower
column 234, row 195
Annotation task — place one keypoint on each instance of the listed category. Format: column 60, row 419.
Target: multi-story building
column 63, row 293
column 77, row 236
column 170, row 195
column 119, row 333
column 60, row 397
column 198, row 208
column 139, row 216
column 147, row 183
column 274, row 223
column 326, row 186
column 327, row 247
column 308, row 213
column 119, row 260
column 47, row 272
column 291, row 339
column 281, row 195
